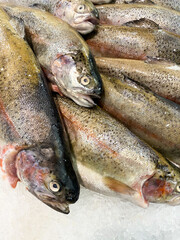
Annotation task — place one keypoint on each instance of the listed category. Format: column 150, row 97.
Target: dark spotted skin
column 173, row 4
column 134, row 43
column 51, row 39
column 163, row 78
column 28, row 115
column 103, row 147
column 151, row 117
column 118, row 15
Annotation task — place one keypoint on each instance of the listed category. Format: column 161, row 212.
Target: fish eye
column 54, row 186
column 81, row 8
column 85, row 81
column 178, row 188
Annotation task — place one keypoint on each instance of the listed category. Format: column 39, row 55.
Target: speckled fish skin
column 31, row 136
column 163, row 78
column 174, row 4
column 110, row 159
column 80, row 14
column 151, row 117
column 118, row 15
column 134, row 43
column 63, row 54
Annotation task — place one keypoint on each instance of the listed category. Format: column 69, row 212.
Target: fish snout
column 95, row 13
column 71, row 196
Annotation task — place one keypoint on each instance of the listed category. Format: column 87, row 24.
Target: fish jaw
column 81, row 15
column 85, row 24
column 52, row 202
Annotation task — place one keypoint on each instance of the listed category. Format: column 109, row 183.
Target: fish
column 175, row 4
column 161, row 77
column 80, row 14
column 62, row 53
column 151, row 117
column 32, row 146
column 138, row 14
column 134, row 43
column 110, row 159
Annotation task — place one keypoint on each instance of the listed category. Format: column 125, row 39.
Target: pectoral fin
column 143, row 23
column 117, row 186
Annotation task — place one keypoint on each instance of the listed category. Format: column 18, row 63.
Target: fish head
column 77, row 77
column 80, row 14
column 161, row 190
column 40, row 170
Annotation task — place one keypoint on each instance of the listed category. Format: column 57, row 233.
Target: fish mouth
column 86, row 24
column 85, row 100
column 52, row 202
column 175, row 200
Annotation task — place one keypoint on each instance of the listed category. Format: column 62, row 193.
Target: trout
column 162, row 78
column 139, row 15
column 134, row 43
column 174, row 4
column 112, row 160
column 80, row 14
column 32, row 148
column 62, row 53
column 154, row 119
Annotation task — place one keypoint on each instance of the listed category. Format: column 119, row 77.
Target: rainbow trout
column 112, row 160
column 152, row 118
column 32, row 148
column 80, row 14
column 134, row 43
column 163, row 78
column 140, row 15
column 62, row 53
column 174, row 4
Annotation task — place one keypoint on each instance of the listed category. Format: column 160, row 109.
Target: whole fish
column 80, row 14
column 138, row 14
column 62, row 53
column 154, row 119
column 134, row 43
column 112, row 160
column 163, row 78
column 32, row 148
column 174, row 4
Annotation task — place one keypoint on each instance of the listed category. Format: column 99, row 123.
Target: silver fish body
column 162, row 78
column 134, row 43
column 62, row 53
column 118, row 15
column 32, row 148
column 151, row 117
column 112, row 160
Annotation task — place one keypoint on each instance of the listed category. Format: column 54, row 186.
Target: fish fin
column 152, row 60
column 143, row 22
column 18, row 25
column 55, row 88
column 38, row 6
column 122, row 188
column 13, row 181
